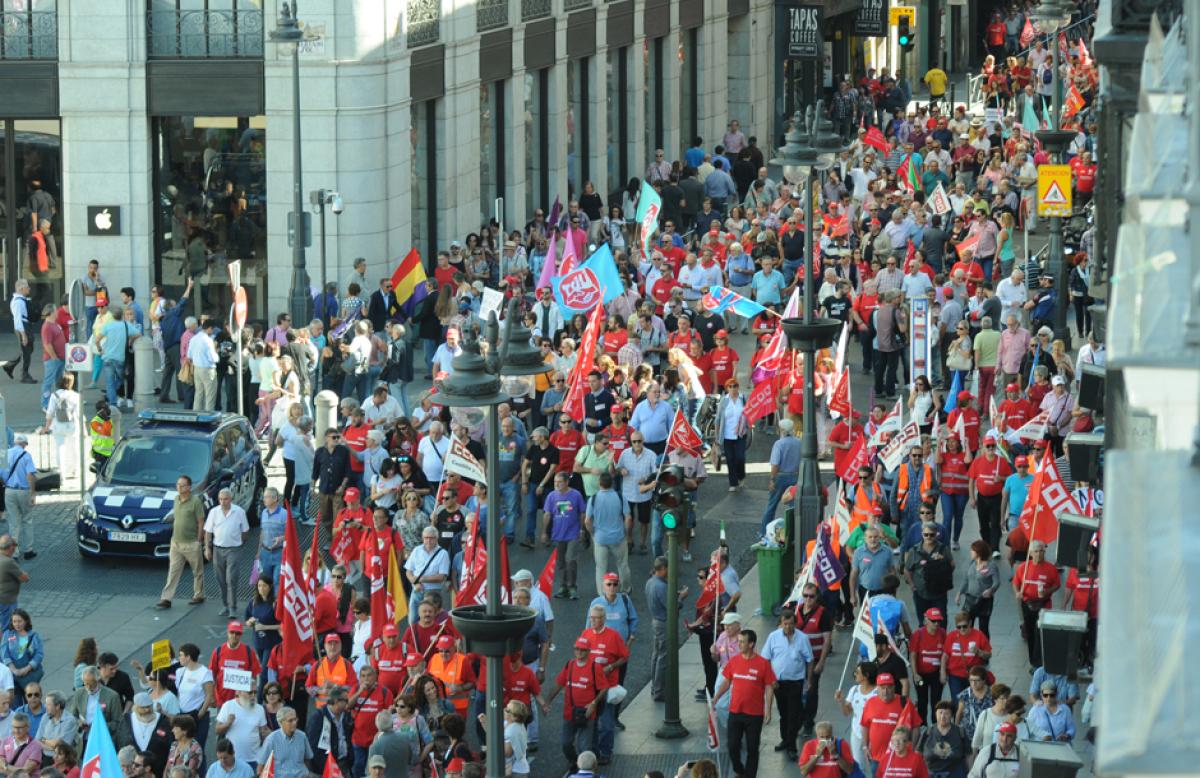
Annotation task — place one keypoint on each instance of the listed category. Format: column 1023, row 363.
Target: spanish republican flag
column 408, row 282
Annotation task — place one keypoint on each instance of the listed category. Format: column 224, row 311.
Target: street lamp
column 1049, row 17
column 482, row 383
column 287, row 34
column 805, row 152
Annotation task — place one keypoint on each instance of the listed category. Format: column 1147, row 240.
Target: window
column 28, row 29
column 578, row 125
column 617, row 95
column 210, row 177
column 537, row 138
column 31, row 184
column 493, row 116
column 424, row 177
column 655, row 94
column 219, row 29
column 689, row 104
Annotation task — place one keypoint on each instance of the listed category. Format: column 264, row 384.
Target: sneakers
column 162, row 605
column 954, row 546
column 995, row 555
column 573, row 593
column 561, row 594
column 8, row 368
column 687, row 556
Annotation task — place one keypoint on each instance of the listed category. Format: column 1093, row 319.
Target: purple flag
column 827, row 570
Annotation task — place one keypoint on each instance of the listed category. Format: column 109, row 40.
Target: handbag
column 956, row 361
column 187, row 373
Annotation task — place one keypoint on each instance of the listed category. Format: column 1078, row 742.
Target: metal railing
column 28, row 35
column 1073, row 32
column 205, row 34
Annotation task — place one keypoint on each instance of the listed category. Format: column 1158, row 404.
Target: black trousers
column 929, row 692
column 710, row 664
column 1033, row 639
column 25, row 355
column 170, row 368
column 789, row 701
column 886, row 363
column 745, row 727
column 988, row 508
column 808, row 718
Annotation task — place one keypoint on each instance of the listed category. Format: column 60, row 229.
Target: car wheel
column 253, row 512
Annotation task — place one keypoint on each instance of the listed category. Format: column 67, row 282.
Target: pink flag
column 549, row 269
column 570, row 254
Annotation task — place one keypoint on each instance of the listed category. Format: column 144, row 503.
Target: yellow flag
column 396, row 587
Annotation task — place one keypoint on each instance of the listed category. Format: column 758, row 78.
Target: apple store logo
column 104, row 220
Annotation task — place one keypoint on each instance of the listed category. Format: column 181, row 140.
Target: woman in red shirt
column 902, row 761
column 952, row 464
column 964, row 648
column 1083, row 594
column 703, row 364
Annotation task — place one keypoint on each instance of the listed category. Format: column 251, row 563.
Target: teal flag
column 649, row 206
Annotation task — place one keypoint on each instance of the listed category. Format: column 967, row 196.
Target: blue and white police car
column 128, row 512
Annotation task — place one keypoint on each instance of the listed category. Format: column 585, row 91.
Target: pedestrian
column 63, row 417
column 825, row 756
column 227, row 764
column 750, row 680
column 185, row 546
column 1034, row 583
column 202, row 353
column 965, row 648
column 328, row 730
column 1001, row 759
column 230, row 659
column 986, row 486
column 241, row 725
column 54, row 353
column 586, row 686
column 20, row 494
column 393, row 751
column 287, row 747
column 609, row 523
column 11, row 578
column 879, row 717
column 565, row 509
column 225, row 530
column 656, row 602
column 23, row 326
column 731, row 430
column 852, row 703
column 925, row 657
column 785, row 470
column 93, row 703
column 331, row 472
column 791, row 657
column 929, row 566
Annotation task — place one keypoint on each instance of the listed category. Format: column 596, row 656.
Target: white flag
column 459, row 459
column 939, row 201
column 891, row 423
column 864, row 630
column 894, row 452
column 1035, row 428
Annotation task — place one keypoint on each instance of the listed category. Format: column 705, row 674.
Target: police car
column 127, row 513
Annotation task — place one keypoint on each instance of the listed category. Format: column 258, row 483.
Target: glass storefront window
column 689, row 102
column 537, row 120
column 31, row 190
column 617, row 96
column 28, row 29
column 574, row 111
column 493, row 118
column 652, row 86
column 425, row 189
column 211, row 185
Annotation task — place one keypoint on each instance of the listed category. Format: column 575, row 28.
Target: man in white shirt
column 431, row 452
column 791, row 657
column 225, row 530
column 382, row 410
column 916, row 284
column 427, row 567
column 1012, row 294
column 202, row 353
column 538, row 601
column 443, row 358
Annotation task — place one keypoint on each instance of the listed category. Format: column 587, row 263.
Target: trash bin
column 770, row 578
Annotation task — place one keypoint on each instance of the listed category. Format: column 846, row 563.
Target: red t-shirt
column 723, row 363
column 952, row 473
column 970, row 425
column 925, row 648
column 325, row 616
column 973, row 271
column 445, row 275
column 618, row 439
column 1016, row 413
column 568, row 445
column 1037, row 581
column 607, row 646
column 681, row 340
column 1085, row 592
column 226, row 658
column 389, row 663
column 614, row 340
column 1085, row 175
column 995, row 35
column 54, row 335
column 365, row 711
column 880, row 719
column 959, row 651
column 520, row 684
column 911, row 765
column 582, row 684
column 355, row 439
column 827, row 764
column 749, row 679
column 989, row 476
column 704, row 364
column 842, row 433
column 373, row 541
column 865, row 305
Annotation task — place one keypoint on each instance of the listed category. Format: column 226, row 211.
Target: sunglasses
column 929, row 534
column 338, row 577
column 1049, row 695
column 809, row 596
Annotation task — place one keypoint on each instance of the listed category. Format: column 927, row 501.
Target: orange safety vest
column 339, row 674
column 452, row 673
column 902, row 485
column 863, row 503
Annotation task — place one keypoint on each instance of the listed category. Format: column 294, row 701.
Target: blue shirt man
column 1051, row 719
column 619, row 610
column 606, row 514
column 788, row 650
column 718, row 185
column 20, row 465
column 115, row 336
column 1016, row 489
column 652, row 417
column 768, row 284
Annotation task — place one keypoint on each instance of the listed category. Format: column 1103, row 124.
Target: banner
column 761, row 402
column 825, row 565
column 591, row 284
column 893, row 453
column 891, row 423
column 577, row 385
column 1048, row 499
column 871, row 20
column 875, row 139
column 920, row 354
column 801, row 31
column 839, row 398
column 939, row 201
column 684, row 437
column 648, row 209
column 1035, row 428
column 293, row 607
column 459, row 459
column 864, row 630
column 854, row 458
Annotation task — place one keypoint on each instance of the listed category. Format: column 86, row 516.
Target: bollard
column 143, row 374
column 326, row 413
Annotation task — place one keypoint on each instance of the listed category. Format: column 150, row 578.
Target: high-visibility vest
column 102, row 437
column 452, row 673
column 902, row 485
column 338, row 673
column 863, row 504
column 811, row 626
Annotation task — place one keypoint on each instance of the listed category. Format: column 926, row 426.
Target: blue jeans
column 790, row 266
column 783, row 482
column 356, row 386
column 90, row 313
column 510, row 502
column 957, row 684
column 360, row 761
column 53, row 369
column 953, row 506
column 268, row 565
column 399, row 390
column 531, row 512
column 113, row 373
column 430, row 349
column 6, row 611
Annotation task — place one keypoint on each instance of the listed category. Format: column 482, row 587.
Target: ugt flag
column 718, row 299
column 592, row 283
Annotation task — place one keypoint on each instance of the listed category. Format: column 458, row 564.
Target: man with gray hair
column 20, row 750
column 58, row 725
column 23, row 326
column 288, row 745
column 395, row 747
column 225, row 530
column 785, row 469
column 94, row 701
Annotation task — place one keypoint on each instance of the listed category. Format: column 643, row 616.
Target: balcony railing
column 28, row 35
column 491, row 14
column 205, row 34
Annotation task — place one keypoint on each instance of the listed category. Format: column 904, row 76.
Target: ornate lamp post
column 1049, row 17
column 804, row 153
column 481, row 383
column 288, row 34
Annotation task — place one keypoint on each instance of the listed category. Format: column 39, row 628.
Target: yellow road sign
column 1054, row 190
column 897, row 11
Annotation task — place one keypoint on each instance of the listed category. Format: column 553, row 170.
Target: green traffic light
column 903, row 40
column 669, row 521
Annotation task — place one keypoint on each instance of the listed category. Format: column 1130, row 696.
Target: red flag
column 331, row 768
column 712, row 585
column 684, row 436
column 1085, row 57
column 714, row 732
column 293, row 608
column 874, row 138
column 379, row 595
column 268, row 768
column 773, row 354
column 967, row 244
column 434, row 770
column 573, row 402
column 546, row 579
column 314, row 564
column 474, row 568
column 1046, row 500
column 854, row 459
column 1073, row 103
column 761, row 402
column 839, row 400
column 1063, row 48
column 1027, row 34
column 909, row 717
column 343, row 549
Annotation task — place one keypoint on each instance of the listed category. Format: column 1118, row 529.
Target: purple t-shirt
column 566, row 514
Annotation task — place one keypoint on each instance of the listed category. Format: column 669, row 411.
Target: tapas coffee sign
column 801, row 28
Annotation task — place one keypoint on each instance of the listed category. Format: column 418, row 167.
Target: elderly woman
column 944, row 745
column 1058, row 404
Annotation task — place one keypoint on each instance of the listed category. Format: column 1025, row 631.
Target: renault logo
column 127, row 522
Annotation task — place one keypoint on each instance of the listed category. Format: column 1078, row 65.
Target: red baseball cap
column 714, row 231
column 1021, row 461
column 333, row 637
column 1039, row 444
column 1008, row 727
column 934, row 614
column 391, row 631
column 1012, row 388
column 964, row 395
column 445, row 641
column 885, row 679
column 413, row 660
column 582, row 643
column 352, row 494
column 234, row 626
column 877, row 510
column 612, row 577
column 721, row 334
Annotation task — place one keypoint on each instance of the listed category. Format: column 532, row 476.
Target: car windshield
column 158, row 461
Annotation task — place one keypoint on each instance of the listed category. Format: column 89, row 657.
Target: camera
column 336, row 204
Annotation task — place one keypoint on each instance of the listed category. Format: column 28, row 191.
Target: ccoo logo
column 581, row 290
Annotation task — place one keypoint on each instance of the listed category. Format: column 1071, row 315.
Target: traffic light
column 904, row 34
column 669, row 497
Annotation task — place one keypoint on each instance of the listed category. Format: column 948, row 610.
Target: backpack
column 993, row 758
column 63, row 412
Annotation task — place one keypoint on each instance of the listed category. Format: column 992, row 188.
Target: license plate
column 127, row 537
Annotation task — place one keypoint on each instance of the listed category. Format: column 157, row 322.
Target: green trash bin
column 770, row 578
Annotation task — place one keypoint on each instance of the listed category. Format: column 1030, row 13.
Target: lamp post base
column 671, row 730
column 301, row 304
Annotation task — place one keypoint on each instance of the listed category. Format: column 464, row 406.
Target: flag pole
column 853, row 642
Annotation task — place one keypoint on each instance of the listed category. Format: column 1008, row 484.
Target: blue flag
column 100, row 758
column 718, row 299
column 594, row 282
column 955, row 387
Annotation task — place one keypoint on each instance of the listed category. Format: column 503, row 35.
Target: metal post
column 143, row 373
column 301, row 303
column 241, row 405
column 809, row 492
column 1058, row 261
column 672, row 726
column 495, row 664
column 83, row 437
column 321, row 194
column 324, row 276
